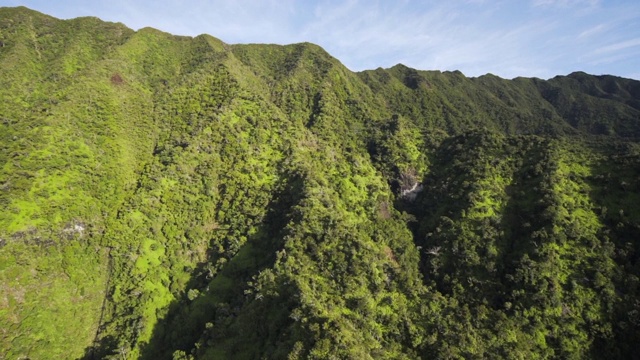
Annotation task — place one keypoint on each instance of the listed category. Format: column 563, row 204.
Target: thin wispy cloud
column 618, row 46
column 539, row 38
column 592, row 31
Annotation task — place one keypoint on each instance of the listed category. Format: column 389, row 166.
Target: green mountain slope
column 174, row 197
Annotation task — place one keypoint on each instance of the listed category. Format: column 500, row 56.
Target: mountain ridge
column 177, row 197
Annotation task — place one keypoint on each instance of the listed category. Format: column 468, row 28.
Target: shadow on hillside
column 520, row 220
column 218, row 299
column 213, row 298
column 615, row 194
column 510, row 231
column 102, row 348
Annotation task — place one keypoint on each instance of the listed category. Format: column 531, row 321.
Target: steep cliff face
column 177, row 197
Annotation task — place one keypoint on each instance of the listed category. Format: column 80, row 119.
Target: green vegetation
column 166, row 197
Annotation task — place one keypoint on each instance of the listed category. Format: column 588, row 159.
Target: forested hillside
column 167, row 197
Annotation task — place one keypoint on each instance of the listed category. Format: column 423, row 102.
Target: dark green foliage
column 167, row 197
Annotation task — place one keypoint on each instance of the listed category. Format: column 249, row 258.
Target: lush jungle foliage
column 166, row 197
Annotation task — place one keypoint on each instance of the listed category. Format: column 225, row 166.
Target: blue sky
column 509, row 38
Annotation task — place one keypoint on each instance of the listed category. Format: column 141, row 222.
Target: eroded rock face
column 411, row 193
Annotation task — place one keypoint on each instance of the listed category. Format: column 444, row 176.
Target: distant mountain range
column 170, row 197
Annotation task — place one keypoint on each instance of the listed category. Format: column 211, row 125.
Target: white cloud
column 618, row 46
column 592, row 31
column 445, row 37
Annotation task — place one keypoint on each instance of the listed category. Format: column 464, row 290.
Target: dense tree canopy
column 166, row 197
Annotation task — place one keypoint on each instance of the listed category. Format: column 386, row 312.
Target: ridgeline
column 168, row 197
